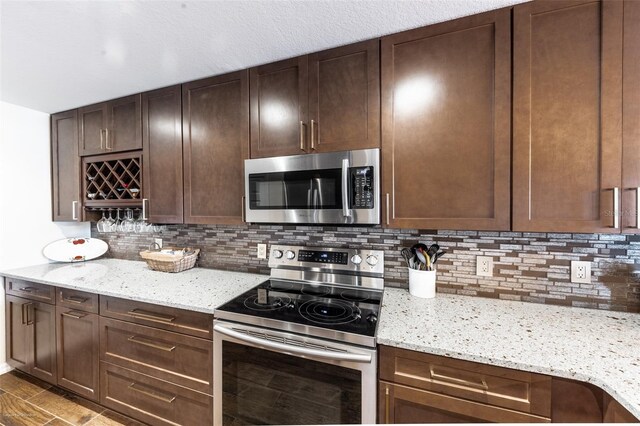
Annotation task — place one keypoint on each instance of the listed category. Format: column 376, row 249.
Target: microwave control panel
column 361, row 187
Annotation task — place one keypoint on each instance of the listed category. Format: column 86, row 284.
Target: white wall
column 25, row 194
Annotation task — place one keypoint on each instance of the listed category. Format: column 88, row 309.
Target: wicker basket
column 182, row 260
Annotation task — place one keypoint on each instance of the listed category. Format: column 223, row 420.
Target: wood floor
column 26, row 401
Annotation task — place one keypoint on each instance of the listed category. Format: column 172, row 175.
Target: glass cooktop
column 350, row 310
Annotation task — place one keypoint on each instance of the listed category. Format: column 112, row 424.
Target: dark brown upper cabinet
column 65, row 167
column 162, row 154
column 216, row 143
column 630, row 210
column 326, row 101
column 344, row 98
column 279, row 108
column 446, row 117
column 112, row 126
column 567, row 116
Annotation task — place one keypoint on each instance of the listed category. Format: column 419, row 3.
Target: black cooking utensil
column 433, row 250
column 406, row 254
column 437, row 256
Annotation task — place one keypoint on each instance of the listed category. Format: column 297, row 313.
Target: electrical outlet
column 262, row 251
column 580, row 272
column 484, row 266
column 158, row 241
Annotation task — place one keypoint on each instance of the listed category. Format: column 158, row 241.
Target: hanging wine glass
column 103, row 223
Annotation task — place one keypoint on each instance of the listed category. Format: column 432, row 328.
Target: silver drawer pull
column 145, row 342
column 153, row 394
column 74, row 314
column 75, row 299
column 151, row 316
column 456, row 381
column 28, row 289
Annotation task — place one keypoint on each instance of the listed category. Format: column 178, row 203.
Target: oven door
column 337, row 188
column 262, row 376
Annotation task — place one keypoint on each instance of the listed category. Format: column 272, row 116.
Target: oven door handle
column 345, row 188
column 340, row 356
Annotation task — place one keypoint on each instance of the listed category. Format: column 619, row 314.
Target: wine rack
column 113, row 180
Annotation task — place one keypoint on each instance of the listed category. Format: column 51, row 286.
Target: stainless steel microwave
column 328, row 188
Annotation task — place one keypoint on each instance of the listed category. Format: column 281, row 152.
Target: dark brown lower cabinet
column 403, row 404
column 31, row 337
column 152, row 400
column 78, row 336
column 416, row 387
column 614, row 412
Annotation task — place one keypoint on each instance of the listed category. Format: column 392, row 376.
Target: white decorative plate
column 76, row 249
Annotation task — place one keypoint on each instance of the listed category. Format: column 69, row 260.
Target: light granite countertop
column 599, row 347
column 196, row 289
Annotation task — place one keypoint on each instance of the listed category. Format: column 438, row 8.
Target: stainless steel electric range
column 300, row 347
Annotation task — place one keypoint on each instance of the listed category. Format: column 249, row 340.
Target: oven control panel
column 348, row 259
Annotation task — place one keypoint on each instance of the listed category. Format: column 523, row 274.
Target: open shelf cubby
column 113, row 180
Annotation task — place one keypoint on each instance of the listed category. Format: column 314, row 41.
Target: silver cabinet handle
column 345, row 188
column 364, row 358
column 302, row 126
column 74, row 314
column 638, row 207
column 101, row 139
column 153, row 394
column 387, row 215
column 151, row 344
column 107, row 144
column 144, row 209
column 616, row 202
column 313, row 135
column 386, row 405
column 74, row 207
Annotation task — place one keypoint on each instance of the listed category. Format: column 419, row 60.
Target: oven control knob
column 356, row 259
column 372, row 319
column 277, row 254
column 290, row 255
column 372, row 260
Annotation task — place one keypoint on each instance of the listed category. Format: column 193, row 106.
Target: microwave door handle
column 345, row 188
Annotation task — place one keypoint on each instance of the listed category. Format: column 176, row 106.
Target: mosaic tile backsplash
column 530, row 267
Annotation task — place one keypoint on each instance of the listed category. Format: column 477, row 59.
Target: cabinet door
column 17, row 338
column 402, row 404
column 92, row 122
column 614, row 412
column 65, row 167
column 567, row 115
column 446, row 97
column 124, row 130
column 344, row 98
column 216, row 141
column 575, row 402
column 279, row 108
column 41, row 318
column 162, row 154
column 78, row 343
column 631, row 119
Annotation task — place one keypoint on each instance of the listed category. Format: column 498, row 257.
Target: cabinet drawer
column 402, row 404
column 172, row 319
column 184, row 360
column 34, row 291
column 502, row 387
column 151, row 400
column 78, row 300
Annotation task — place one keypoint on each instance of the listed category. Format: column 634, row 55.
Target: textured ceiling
column 58, row 55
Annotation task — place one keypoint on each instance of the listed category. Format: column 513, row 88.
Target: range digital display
column 338, row 257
